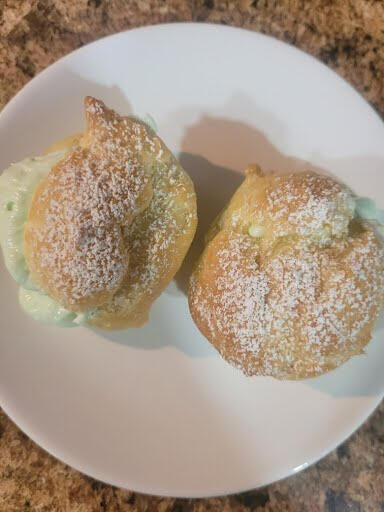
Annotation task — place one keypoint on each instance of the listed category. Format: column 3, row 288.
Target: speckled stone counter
column 348, row 35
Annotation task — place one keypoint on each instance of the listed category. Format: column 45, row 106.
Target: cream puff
column 291, row 280
column 96, row 229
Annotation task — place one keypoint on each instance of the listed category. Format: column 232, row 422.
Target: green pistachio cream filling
column 17, row 185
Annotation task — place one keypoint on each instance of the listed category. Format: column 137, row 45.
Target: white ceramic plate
column 156, row 409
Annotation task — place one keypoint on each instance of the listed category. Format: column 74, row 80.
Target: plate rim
column 194, row 24
column 7, row 110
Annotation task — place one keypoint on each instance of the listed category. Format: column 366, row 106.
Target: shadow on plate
column 214, row 186
column 163, row 331
column 112, row 95
column 241, row 145
column 69, row 110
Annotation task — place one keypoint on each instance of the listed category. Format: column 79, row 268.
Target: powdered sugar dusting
column 155, row 239
column 102, row 184
column 313, row 205
column 296, row 306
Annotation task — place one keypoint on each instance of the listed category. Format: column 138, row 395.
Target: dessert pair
column 290, row 282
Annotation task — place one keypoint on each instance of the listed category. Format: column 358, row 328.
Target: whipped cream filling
column 17, row 185
column 367, row 209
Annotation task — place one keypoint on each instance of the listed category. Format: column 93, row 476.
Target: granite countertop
column 347, row 35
